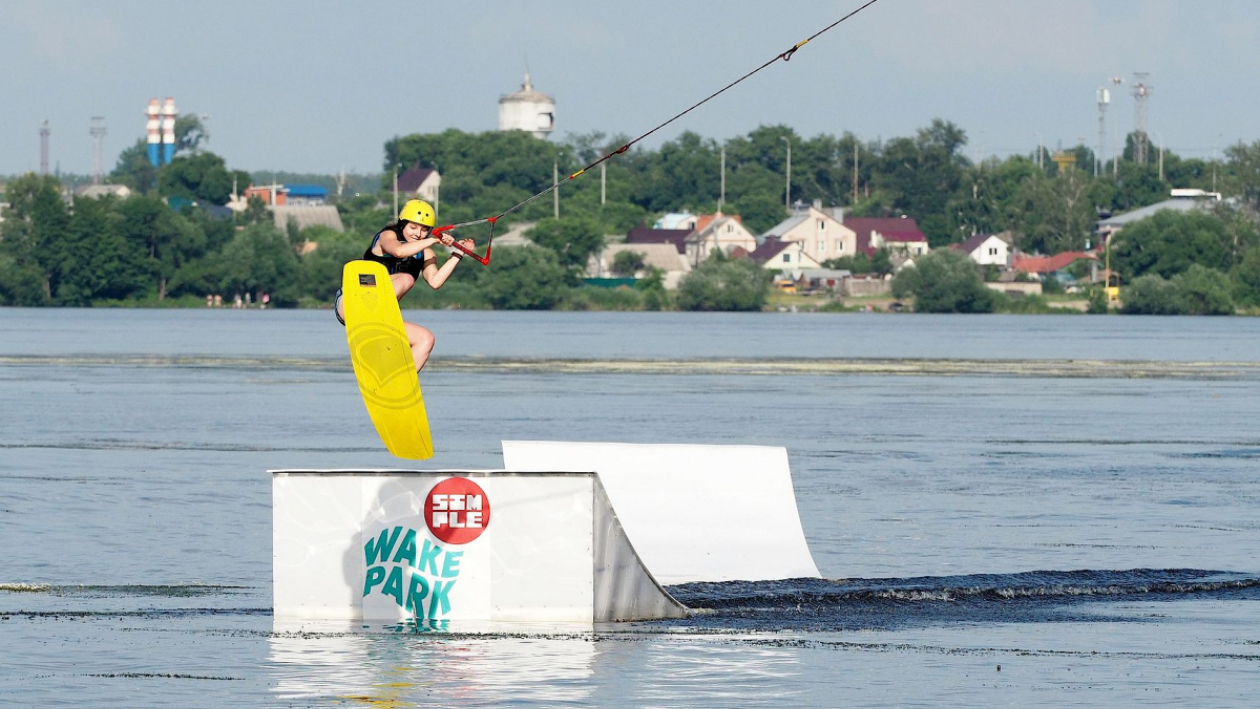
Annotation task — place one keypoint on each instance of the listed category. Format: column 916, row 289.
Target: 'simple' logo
column 457, row 510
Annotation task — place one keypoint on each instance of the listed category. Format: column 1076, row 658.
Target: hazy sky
column 319, row 86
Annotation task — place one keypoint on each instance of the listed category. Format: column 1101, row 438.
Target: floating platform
column 568, row 532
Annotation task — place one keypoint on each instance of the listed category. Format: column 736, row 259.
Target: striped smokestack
column 168, row 130
column 153, row 130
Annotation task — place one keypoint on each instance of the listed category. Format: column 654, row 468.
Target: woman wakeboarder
column 405, row 248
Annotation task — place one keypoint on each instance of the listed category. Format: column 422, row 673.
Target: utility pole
column 1115, row 141
column 555, row 194
column 855, row 170
column 787, row 194
column 603, row 183
column 722, row 193
column 1104, row 98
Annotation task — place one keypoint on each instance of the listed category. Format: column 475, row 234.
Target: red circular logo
column 457, row 510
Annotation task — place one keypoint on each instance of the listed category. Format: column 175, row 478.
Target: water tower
column 528, row 110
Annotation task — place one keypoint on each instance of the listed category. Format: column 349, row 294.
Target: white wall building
column 718, row 231
column 820, row 232
column 528, row 110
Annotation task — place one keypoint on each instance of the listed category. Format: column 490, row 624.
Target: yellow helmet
column 418, row 211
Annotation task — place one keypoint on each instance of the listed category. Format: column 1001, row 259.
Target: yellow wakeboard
column 382, row 359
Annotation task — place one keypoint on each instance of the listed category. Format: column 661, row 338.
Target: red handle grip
column 483, row 260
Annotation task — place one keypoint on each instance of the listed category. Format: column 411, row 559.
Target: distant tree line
column 76, row 251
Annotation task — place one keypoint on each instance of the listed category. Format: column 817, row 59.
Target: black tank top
column 411, row 265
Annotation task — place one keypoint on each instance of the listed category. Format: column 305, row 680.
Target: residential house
column 986, row 250
column 421, row 182
column 664, row 256
column 98, row 191
column 1182, row 200
column 820, row 232
column 824, row 279
column 721, row 232
column 273, row 195
column 312, row 195
column 1050, row 266
column 900, row 236
column 643, row 235
column 676, row 220
column 790, row 257
column 307, row 215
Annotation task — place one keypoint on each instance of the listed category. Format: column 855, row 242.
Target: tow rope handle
column 483, row 260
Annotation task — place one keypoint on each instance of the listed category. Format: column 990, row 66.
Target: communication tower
column 44, row 132
column 97, row 131
column 1141, row 97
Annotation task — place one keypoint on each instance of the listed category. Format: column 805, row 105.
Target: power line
column 784, row 56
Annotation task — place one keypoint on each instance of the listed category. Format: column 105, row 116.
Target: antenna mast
column 97, row 131
column 44, row 132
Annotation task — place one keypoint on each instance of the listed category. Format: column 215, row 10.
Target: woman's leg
column 421, row 343
column 402, row 283
column 420, row 338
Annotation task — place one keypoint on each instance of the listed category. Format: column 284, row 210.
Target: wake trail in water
column 772, row 366
column 883, row 604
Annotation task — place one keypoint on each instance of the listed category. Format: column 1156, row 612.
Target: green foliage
column 725, row 285
column 880, row 263
column 760, row 212
column 201, row 176
column 1097, row 302
column 1203, row 291
column 593, row 298
column 628, row 263
column 107, row 268
column 652, row 286
column 945, row 281
column 1151, row 294
column 138, row 250
column 1168, row 242
column 572, row 239
column 33, row 237
column 134, row 169
column 1246, row 277
column 1054, row 214
column 523, row 278
column 259, row 260
column 190, row 133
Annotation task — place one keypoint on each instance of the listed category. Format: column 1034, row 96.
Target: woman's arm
column 404, row 249
column 435, row 276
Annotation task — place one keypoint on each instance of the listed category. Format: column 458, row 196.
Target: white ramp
column 437, row 546
column 693, row 512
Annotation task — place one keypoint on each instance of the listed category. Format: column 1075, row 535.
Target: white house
column 787, row 256
column 820, row 232
column 896, row 235
column 718, row 231
column 423, row 183
column 98, row 191
column 676, row 220
column 987, row 250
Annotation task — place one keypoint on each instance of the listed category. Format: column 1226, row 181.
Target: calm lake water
column 1031, row 511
